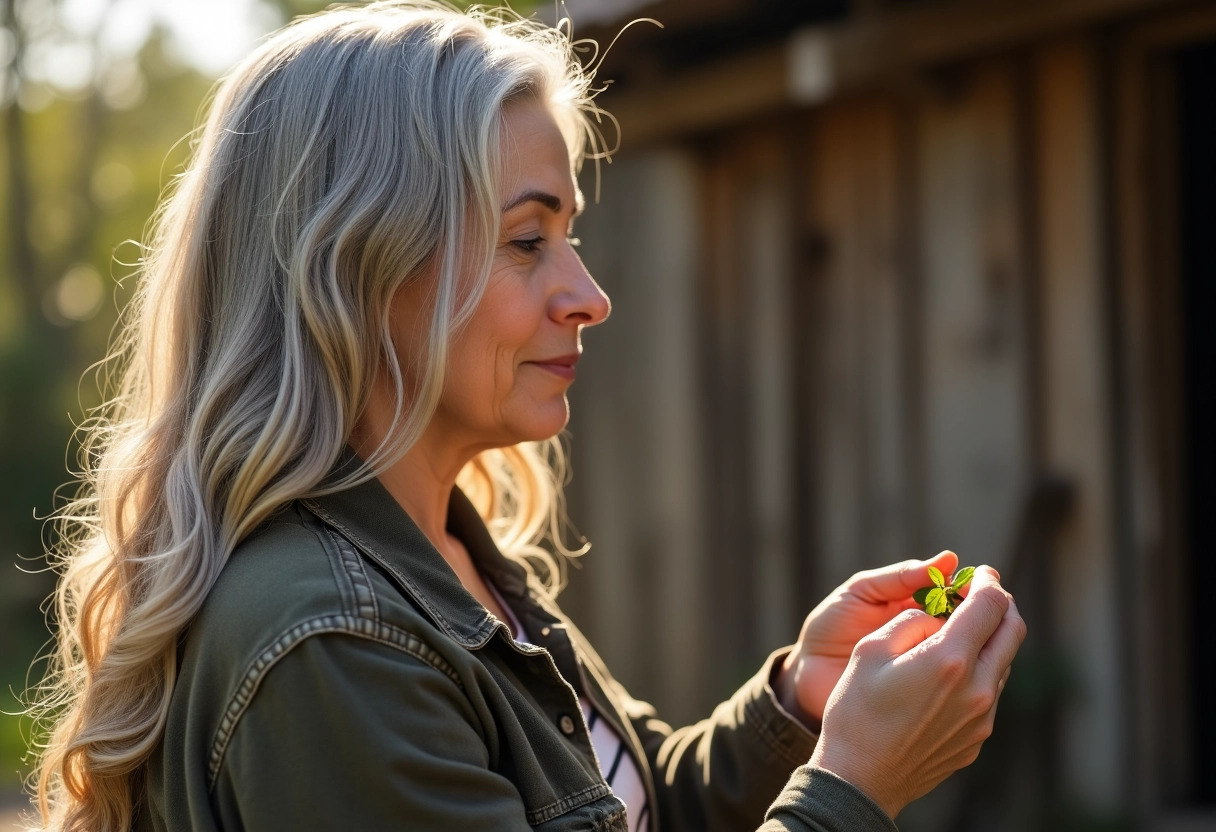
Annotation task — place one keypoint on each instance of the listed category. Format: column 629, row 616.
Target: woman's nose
column 581, row 300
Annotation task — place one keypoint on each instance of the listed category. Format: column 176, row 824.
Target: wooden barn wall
column 640, row 487
column 842, row 338
column 683, row 431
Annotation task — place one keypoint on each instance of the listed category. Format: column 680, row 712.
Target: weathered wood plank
column 884, row 275
column 977, row 427
column 859, row 318
column 834, row 315
column 1078, row 419
column 762, row 259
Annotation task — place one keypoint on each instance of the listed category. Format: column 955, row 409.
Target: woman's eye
column 530, row 246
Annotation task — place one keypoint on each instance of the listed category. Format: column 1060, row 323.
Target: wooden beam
column 962, row 29
column 745, row 85
column 870, row 50
column 1175, row 31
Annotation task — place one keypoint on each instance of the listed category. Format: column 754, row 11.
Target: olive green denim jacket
column 340, row 677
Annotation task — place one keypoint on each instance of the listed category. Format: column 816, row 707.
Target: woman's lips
column 562, row 366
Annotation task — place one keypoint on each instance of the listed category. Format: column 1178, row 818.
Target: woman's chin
column 548, row 422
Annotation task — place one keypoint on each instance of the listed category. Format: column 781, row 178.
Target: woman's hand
column 918, row 697
column 857, row 608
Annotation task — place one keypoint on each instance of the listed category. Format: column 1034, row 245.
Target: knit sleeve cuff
column 816, row 799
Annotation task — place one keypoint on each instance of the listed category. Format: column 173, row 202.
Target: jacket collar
column 375, row 522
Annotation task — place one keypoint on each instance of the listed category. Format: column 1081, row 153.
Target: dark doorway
column 1197, row 191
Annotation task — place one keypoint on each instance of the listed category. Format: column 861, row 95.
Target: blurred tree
column 84, row 161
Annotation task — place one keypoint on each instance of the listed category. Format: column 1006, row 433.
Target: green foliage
column 12, row 751
column 942, row 598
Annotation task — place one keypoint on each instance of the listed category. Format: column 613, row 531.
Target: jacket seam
column 274, row 652
column 365, row 596
column 342, row 580
column 354, row 587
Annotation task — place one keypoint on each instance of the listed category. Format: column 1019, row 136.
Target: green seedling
column 941, row 598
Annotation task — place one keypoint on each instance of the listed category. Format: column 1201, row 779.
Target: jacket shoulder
column 294, row 577
column 282, row 574
column 287, row 583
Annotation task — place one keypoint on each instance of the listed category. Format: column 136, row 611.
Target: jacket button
column 566, row 724
column 544, row 631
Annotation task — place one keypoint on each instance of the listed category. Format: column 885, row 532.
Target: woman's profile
column 312, row 579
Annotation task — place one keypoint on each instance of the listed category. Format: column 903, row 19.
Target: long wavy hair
column 354, row 151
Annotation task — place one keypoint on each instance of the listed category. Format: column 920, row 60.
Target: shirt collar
column 375, row 522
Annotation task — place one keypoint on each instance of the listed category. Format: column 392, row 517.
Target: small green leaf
column 920, row 595
column 936, row 576
column 935, row 602
column 962, row 577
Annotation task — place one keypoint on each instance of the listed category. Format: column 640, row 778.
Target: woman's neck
column 421, row 482
column 423, row 487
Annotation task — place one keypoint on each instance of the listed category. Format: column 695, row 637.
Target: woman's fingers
column 977, row 619
column 900, row 580
column 919, row 697
column 997, row 655
column 901, row 633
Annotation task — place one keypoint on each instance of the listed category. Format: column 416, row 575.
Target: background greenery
column 81, row 166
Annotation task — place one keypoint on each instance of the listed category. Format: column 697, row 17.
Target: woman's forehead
column 536, row 161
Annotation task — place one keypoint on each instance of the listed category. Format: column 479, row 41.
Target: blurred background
column 889, row 277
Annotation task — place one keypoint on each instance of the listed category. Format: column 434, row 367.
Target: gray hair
column 355, row 151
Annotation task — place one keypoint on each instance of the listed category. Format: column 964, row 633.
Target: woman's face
column 509, row 368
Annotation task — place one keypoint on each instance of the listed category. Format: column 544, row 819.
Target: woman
column 306, row 589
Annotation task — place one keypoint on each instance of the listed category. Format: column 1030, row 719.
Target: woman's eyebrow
column 548, row 200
